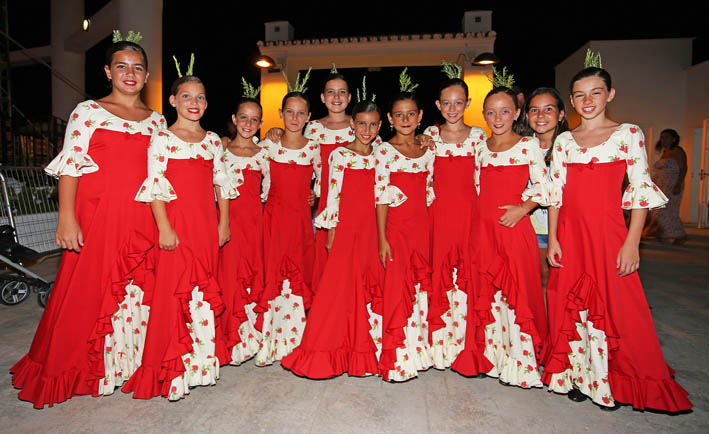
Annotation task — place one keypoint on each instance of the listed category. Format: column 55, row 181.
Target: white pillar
column 145, row 16
column 66, row 18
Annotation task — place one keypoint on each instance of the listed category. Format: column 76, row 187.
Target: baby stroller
column 16, row 281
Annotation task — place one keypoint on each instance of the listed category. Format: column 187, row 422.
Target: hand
column 224, row 233
column 628, row 259
column 330, row 239
column 385, row 252
column 274, row 135
column 554, row 253
column 424, row 141
column 311, row 198
column 513, row 215
column 69, row 235
column 168, row 239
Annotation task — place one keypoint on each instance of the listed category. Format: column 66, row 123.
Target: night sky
column 531, row 40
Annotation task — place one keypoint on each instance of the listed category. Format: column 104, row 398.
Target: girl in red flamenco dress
column 403, row 193
column 510, row 302
column 185, row 164
column 451, row 223
column 337, row 336
column 603, row 340
column 241, row 268
column 90, row 338
column 289, row 242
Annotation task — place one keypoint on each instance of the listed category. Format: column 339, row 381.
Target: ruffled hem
column 71, row 163
column 288, row 270
column 328, row 364
column 41, row 391
column 392, row 196
column 327, row 219
column 249, row 345
column 644, row 195
column 228, row 186
column 455, row 277
column 556, row 196
column 539, row 193
column 237, row 317
column 147, row 382
column 282, row 333
column 665, row 395
column 156, row 189
column 471, row 363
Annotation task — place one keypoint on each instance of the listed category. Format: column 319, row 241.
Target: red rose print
column 644, row 203
column 87, row 123
column 126, row 125
column 173, row 389
column 75, row 115
column 606, row 400
column 560, row 381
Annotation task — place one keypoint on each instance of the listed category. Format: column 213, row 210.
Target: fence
column 30, row 203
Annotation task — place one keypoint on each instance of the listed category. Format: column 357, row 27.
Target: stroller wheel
column 43, row 295
column 14, row 292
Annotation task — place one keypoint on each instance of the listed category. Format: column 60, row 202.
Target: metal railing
column 30, row 204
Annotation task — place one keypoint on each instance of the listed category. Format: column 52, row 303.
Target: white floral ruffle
column 283, row 326
column 158, row 188
column 449, row 341
column 71, row 163
column 393, row 196
column 328, row 218
column 644, row 195
column 539, row 192
column 228, row 186
column 250, row 339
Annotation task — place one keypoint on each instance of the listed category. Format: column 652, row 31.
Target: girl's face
column 590, row 97
column 543, row 114
column 190, row 101
column 127, row 72
column 366, row 126
column 405, row 116
column 500, row 113
column 452, row 104
column 247, row 120
column 294, row 114
column 336, row 96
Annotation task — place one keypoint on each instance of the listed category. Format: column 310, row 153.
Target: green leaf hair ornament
column 249, row 90
column 405, row 83
column 452, row 70
column 299, row 86
column 502, row 78
column 134, row 37
column 189, row 68
column 364, row 92
column 333, row 70
column 593, row 60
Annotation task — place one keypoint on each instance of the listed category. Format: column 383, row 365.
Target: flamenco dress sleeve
column 384, row 192
column 557, row 171
column 74, row 160
column 156, row 185
column 228, row 185
column 329, row 217
column 641, row 191
column 539, row 189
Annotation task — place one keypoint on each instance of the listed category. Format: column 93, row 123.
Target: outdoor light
column 85, row 25
column 265, row 62
column 486, row 59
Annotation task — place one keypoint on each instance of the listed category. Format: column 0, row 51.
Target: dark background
column 531, row 39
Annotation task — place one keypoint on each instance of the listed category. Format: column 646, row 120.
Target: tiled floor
column 252, row 399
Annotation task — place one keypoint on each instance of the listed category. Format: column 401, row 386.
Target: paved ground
column 251, row 399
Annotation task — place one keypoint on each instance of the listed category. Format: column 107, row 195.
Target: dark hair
column 365, row 106
column 404, row 96
column 122, row 46
column 675, row 139
column 561, row 126
column 290, row 95
column 591, row 72
column 246, row 100
column 336, row 76
column 182, row 80
column 453, row 82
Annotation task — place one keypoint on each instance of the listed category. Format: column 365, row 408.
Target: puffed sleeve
column 478, row 165
column 384, row 192
column 73, row 160
column 430, row 195
column 641, row 191
column 263, row 162
column 228, row 185
column 539, row 189
column 156, row 186
column 317, row 169
column 557, row 171
column 329, row 217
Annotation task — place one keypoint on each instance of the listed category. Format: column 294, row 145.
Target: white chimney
column 477, row 21
column 279, row 31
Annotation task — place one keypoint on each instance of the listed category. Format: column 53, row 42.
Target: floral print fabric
column 388, row 160
column 235, row 166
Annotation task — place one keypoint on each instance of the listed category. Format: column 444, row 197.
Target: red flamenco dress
column 604, row 342
column 404, row 184
column 328, row 140
column 510, row 304
column 337, row 336
column 181, row 337
column 90, row 338
column 241, row 269
column 452, row 216
column 289, row 245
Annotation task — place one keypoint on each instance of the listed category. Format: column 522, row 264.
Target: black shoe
column 576, row 395
column 504, row 383
column 615, row 407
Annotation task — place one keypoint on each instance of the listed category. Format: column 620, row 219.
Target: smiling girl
column 604, row 344
column 510, row 303
column 337, row 337
column 90, row 338
column 288, row 233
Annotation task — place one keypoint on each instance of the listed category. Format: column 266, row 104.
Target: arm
column 554, row 250
column 682, row 161
column 628, row 259
column 223, row 228
column 274, row 134
column 68, row 235
column 537, row 193
column 384, row 247
column 168, row 237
